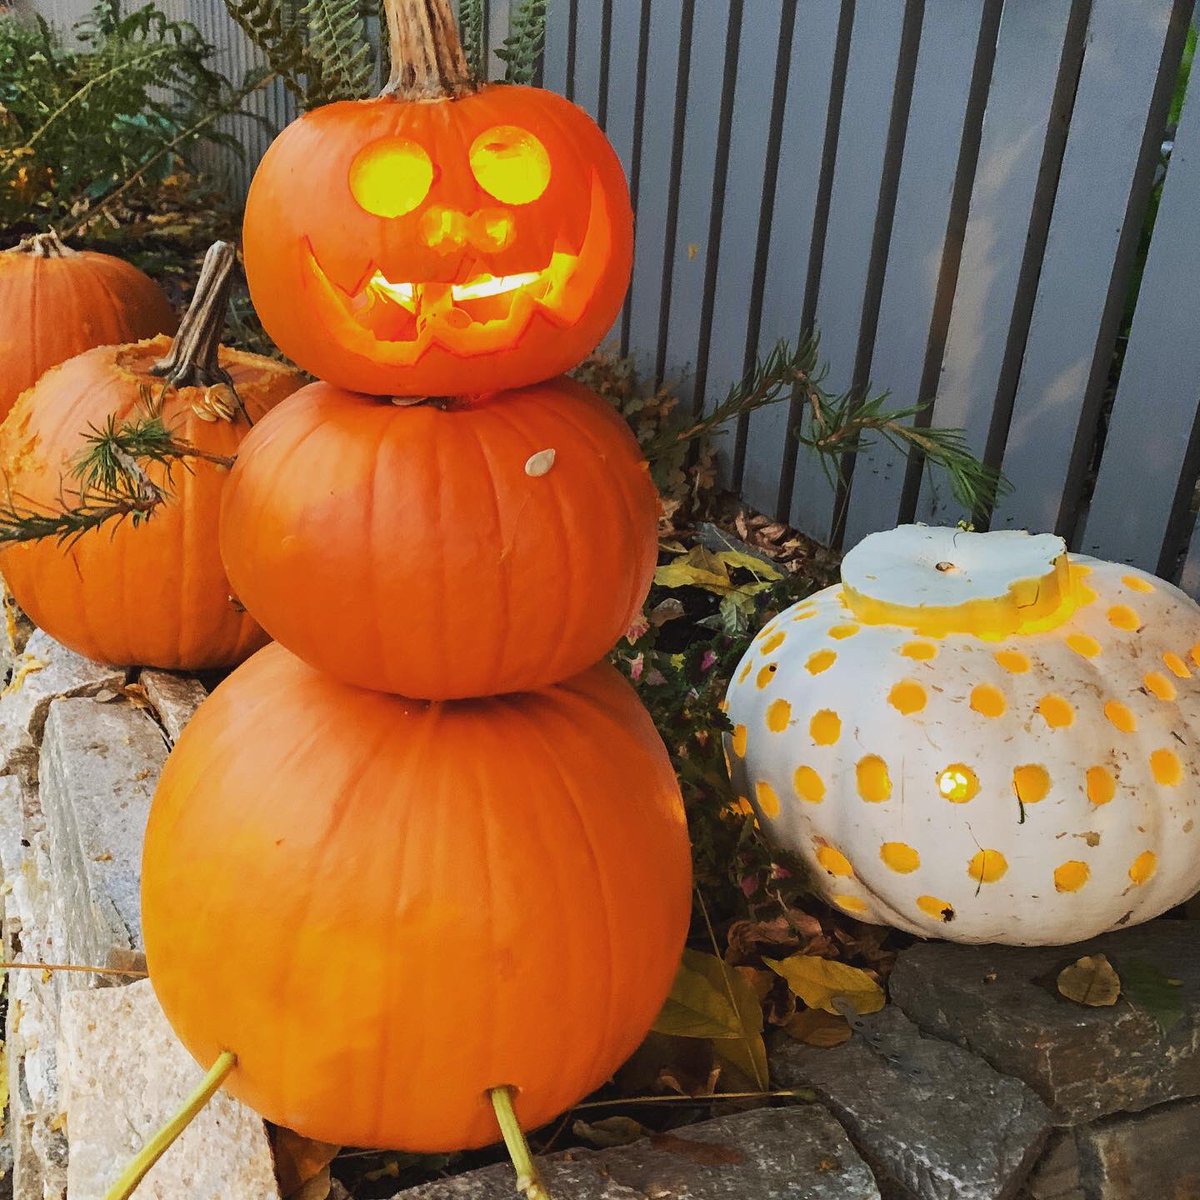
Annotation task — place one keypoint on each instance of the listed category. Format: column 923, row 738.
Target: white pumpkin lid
column 947, row 580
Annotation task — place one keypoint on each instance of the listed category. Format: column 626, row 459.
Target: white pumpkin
column 973, row 738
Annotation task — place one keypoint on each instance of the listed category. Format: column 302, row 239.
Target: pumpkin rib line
column 503, row 623
column 539, row 734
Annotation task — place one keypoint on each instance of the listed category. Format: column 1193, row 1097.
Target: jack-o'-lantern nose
column 449, row 229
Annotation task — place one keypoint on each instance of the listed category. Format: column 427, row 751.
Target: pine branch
column 523, row 46
column 842, row 425
column 470, row 32
column 88, row 511
column 337, row 39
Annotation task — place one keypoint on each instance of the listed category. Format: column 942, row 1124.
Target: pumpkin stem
column 529, row 1180
column 44, row 245
column 157, row 1146
column 427, row 57
column 193, row 360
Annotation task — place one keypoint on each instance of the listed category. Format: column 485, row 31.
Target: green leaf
column 821, row 981
column 1155, row 993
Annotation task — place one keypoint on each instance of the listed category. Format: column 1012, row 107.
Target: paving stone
column 175, row 698
column 123, row 1075
column 1086, row 1063
column 796, row 1153
column 933, row 1121
column 1154, row 1155
column 31, row 1029
column 99, row 767
column 45, row 671
column 1056, row 1176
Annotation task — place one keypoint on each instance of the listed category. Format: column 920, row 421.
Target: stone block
column 1086, row 1063
column 1056, row 1176
column 123, row 1075
column 175, row 698
column 99, row 767
column 1153, row 1155
column 41, row 674
column 934, row 1122
column 796, row 1153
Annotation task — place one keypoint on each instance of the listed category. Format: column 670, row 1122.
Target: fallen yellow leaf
column 815, row 1027
column 821, row 981
column 1091, row 980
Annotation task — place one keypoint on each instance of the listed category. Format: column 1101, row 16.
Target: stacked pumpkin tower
column 424, row 859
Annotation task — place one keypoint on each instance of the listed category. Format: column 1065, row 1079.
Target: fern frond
column 470, row 33
column 281, row 41
column 337, row 39
column 523, row 46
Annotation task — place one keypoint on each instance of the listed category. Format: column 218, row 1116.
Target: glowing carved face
column 466, row 245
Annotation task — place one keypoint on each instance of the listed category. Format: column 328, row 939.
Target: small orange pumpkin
column 444, row 898
column 467, row 548
column 56, row 302
column 443, row 238
column 153, row 594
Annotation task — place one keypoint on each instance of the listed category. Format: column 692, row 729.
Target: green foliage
column 470, row 33
column 523, row 46
column 77, row 123
column 337, row 39
column 319, row 48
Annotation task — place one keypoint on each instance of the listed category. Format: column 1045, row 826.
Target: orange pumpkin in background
column 56, row 302
column 447, row 898
column 440, row 239
column 465, row 549
column 152, row 592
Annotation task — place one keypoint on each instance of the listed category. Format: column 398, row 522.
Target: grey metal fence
column 954, row 192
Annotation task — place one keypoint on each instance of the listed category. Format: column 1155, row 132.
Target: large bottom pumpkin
column 386, row 907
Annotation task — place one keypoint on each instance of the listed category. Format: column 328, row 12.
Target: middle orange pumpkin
column 464, row 548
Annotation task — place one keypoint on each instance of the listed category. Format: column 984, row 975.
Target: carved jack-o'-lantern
column 442, row 238
column 973, row 738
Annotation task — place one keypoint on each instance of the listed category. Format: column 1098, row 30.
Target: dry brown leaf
column 298, row 1162
column 814, row 1027
column 749, row 940
column 609, row 1132
column 1091, row 980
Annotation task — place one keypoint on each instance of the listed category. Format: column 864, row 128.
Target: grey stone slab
column 31, row 1028
column 1056, row 1176
column 1154, row 1154
column 934, row 1122
column 42, row 673
column 99, row 767
column 770, row 1154
column 123, row 1075
column 175, row 698
column 1086, row 1063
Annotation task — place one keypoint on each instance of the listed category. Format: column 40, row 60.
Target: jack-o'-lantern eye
column 390, row 177
column 510, row 164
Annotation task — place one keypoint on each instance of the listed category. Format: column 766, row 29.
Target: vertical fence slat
column 743, row 202
column 871, row 73
column 1029, row 48
column 690, row 248
column 499, row 16
column 625, row 50
column 801, row 157
column 1092, row 239
column 589, row 51
column 951, row 33
column 656, row 184
column 1155, row 409
column 557, row 48
column 1190, row 579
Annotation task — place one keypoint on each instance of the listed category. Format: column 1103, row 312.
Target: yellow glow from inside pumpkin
column 510, row 164
column 492, row 285
column 958, row 783
column 390, row 177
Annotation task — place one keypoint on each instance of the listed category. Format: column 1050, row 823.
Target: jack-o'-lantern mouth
column 398, row 320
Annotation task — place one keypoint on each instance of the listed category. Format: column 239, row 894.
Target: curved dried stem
column 43, row 245
column 426, row 55
column 194, row 358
